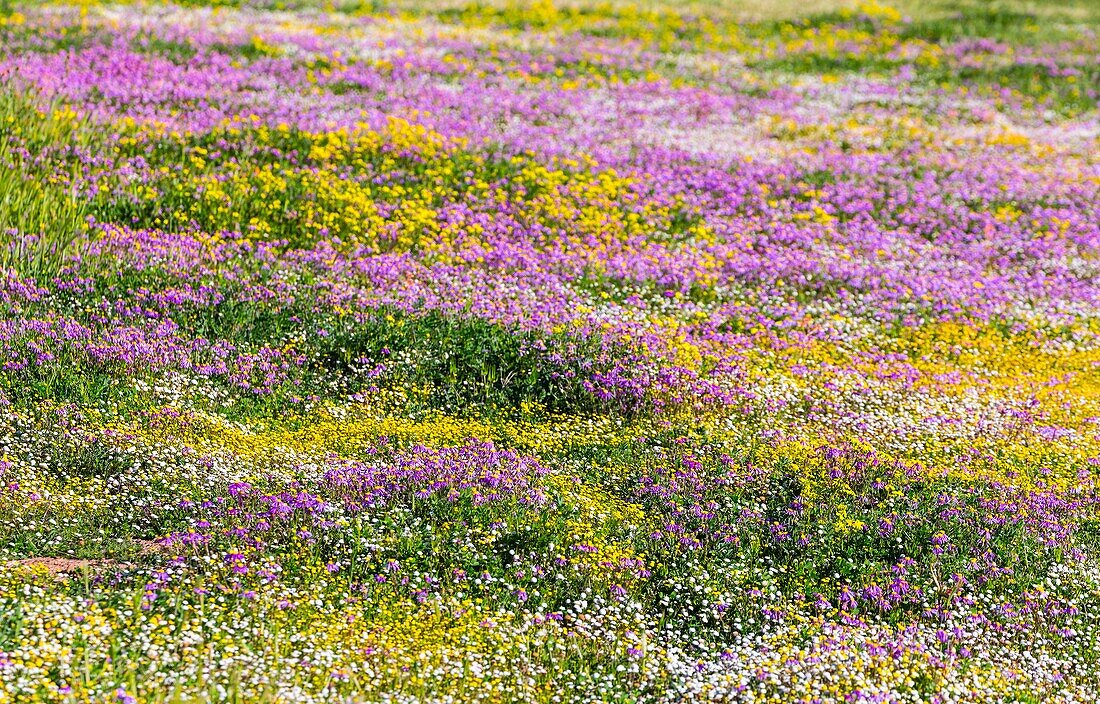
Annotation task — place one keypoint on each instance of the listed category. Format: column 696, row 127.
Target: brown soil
column 149, row 547
column 62, row 566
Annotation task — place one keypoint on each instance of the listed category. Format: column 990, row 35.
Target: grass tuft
column 41, row 221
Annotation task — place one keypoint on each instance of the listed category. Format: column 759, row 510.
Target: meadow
column 575, row 351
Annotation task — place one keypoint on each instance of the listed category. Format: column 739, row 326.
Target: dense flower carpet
column 536, row 352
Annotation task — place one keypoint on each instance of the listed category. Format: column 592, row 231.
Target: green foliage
column 992, row 22
column 470, row 362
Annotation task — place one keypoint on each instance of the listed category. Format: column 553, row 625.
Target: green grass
column 41, row 222
column 469, row 362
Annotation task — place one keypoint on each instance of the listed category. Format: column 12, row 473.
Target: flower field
column 549, row 352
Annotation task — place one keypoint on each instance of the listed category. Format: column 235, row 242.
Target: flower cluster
column 549, row 352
